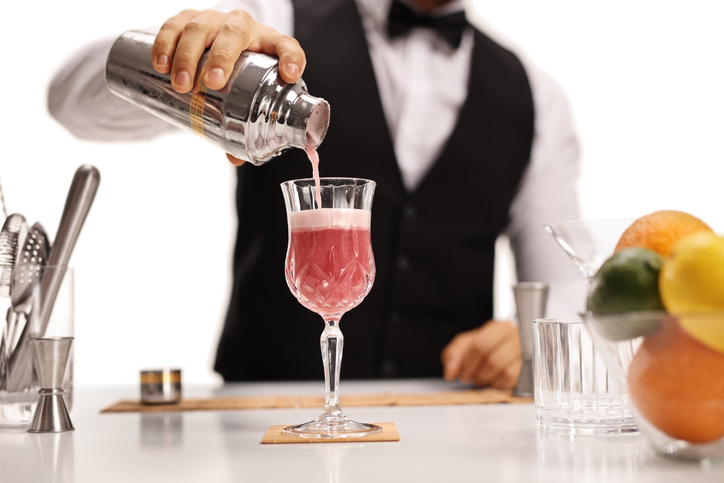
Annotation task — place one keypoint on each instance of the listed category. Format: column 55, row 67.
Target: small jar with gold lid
column 161, row 386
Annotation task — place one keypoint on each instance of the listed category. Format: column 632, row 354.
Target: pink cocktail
column 330, row 268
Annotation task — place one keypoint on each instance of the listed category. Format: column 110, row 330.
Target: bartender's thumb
column 234, row 161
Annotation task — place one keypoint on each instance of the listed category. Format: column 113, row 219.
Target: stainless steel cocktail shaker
column 254, row 117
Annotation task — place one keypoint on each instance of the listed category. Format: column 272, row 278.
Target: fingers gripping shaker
column 254, row 117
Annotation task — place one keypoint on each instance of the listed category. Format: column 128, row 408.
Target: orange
column 676, row 383
column 659, row 231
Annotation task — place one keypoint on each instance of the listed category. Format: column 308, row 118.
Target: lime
column 626, row 282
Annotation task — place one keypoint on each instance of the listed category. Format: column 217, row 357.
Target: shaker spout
column 309, row 121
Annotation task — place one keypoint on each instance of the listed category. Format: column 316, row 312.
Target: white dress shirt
column 418, row 65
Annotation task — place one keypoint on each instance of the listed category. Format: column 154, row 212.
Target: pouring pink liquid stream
column 313, row 156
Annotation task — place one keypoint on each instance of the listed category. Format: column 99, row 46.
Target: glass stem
column 332, row 342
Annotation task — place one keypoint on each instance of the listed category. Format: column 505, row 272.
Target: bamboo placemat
column 208, row 404
column 274, row 435
column 473, row 396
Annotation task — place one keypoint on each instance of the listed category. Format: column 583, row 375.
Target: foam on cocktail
column 329, row 218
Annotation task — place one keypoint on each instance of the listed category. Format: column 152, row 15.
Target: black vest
column 434, row 248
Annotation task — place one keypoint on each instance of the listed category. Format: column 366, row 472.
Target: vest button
column 388, row 368
column 409, row 212
column 404, row 264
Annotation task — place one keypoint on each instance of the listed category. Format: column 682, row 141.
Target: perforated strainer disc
column 14, row 229
column 32, row 257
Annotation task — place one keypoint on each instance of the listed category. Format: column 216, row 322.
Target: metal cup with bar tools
column 33, row 268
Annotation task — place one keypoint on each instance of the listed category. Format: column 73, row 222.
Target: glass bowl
column 673, row 369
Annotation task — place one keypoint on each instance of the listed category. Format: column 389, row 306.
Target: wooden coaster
column 274, row 435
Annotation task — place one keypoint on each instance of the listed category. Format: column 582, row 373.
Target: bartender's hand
column 486, row 356
column 184, row 37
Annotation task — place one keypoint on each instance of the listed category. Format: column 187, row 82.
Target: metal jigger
column 530, row 300
column 51, row 356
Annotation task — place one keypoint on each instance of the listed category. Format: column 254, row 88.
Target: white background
column 645, row 78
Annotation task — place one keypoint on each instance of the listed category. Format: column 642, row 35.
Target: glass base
column 17, row 408
column 583, row 425
column 17, row 414
column 318, row 429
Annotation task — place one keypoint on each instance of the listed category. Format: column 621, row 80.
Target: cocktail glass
column 330, row 269
column 588, row 242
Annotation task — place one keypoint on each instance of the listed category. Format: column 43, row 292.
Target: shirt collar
column 377, row 10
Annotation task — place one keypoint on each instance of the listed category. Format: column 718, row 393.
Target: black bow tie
column 402, row 18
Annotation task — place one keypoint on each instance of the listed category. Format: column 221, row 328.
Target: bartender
column 466, row 140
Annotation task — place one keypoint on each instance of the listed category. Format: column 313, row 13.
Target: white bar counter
column 464, row 443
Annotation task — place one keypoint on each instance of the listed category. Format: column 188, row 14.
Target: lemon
column 626, row 282
column 692, row 281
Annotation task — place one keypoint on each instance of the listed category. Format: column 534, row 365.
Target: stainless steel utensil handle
column 77, row 204
column 80, row 198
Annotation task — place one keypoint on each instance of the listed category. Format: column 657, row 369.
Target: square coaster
column 274, row 435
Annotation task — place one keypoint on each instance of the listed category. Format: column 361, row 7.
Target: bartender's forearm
column 548, row 193
column 79, row 99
